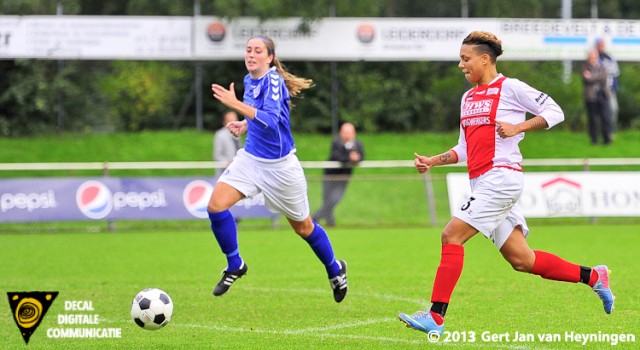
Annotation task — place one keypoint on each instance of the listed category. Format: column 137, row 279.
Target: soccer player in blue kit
column 267, row 164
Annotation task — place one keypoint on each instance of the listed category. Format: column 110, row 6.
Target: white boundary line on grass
column 321, row 332
column 420, row 302
column 316, row 332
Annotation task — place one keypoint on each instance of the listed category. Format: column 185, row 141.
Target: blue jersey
column 269, row 133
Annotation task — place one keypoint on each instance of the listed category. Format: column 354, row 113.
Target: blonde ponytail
column 294, row 84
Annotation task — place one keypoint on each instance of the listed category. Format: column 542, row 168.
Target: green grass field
column 285, row 301
column 192, row 145
column 384, row 232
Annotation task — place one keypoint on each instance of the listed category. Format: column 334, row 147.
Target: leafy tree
column 26, row 105
column 629, row 96
column 143, row 93
column 42, row 95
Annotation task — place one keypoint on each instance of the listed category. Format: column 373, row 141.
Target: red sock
column 437, row 318
column 552, row 267
column 448, row 272
column 593, row 278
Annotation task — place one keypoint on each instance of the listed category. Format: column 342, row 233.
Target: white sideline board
column 566, row 194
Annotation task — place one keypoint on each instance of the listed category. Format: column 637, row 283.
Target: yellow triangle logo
column 28, row 309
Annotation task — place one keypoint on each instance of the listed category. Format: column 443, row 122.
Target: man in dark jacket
column 596, row 96
column 349, row 151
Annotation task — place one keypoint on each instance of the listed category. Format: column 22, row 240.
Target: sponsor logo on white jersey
column 493, row 91
column 475, row 108
column 542, row 98
column 474, row 121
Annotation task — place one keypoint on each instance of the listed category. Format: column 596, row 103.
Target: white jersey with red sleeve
column 483, row 107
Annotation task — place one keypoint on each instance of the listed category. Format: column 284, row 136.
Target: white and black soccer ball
column 151, row 309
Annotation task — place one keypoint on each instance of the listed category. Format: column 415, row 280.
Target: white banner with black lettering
column 570, row 194
column 96, row 37
column 326, row 39
column 416, row 39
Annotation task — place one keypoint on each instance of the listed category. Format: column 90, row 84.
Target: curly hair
column 485, row 43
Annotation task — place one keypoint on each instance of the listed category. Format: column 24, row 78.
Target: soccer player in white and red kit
column 492, row 123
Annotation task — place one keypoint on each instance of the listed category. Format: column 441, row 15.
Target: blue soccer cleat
column 422, row 321
column 602, row 287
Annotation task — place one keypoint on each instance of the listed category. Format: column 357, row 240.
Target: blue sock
column 224, row 229
column 319, row 242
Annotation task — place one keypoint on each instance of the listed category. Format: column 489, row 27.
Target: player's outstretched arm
column 424, row 163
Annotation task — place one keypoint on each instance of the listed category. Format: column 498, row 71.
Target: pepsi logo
column 94, row 199
column 196, row 198
column 366, row 33
column 216, row 31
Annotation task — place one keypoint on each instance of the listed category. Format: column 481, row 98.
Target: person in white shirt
column 492, row 123
column 225, row 145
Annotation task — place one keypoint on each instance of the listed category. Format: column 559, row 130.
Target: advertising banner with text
column 570, row 194
column 416, row 39
column 327, row 39
column 110, row 198
column 96, row 37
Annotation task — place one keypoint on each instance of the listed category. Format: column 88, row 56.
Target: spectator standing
column 596, row 97
column 225, row 144
column 613, row 72
column 349, row 151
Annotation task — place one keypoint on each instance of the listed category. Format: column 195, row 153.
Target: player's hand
column 422, row 163
column 226, row 96
column 237, row 128
column 506, row 130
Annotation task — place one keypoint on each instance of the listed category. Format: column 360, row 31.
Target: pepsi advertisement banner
column 112, row 198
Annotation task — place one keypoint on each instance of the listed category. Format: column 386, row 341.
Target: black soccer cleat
column 339, row 283
column 228, row 278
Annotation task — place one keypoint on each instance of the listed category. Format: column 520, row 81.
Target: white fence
column 106, row 166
